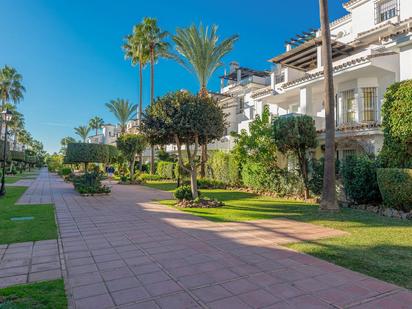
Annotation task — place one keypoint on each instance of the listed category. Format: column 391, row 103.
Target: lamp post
column 6, row 116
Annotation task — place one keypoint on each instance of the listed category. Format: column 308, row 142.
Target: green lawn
column 43, row 226
column 378, row 246
column 49, row 294
column 25, row 175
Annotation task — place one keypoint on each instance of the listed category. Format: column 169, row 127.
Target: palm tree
column 83, row 132
column 96, row 123
column 328, row 201
column 123, row 110
column 154, row 40
column 11, row 88
column 137, row 51
column 201, row 54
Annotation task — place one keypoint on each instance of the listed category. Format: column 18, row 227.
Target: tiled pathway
column 122, row 251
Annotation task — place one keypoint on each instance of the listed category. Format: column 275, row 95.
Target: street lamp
column 6, row 117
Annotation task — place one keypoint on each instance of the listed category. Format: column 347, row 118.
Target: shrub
column 179, row 172
column 54, row 162
column 165, row 169
column 87, row 153
column 210, row 184
column 145, row 177
column 359, row 179
column 64, row 171
column 316, row 177
column 395, row 185
column 223, row 167
column 89, row 183
column 280, row 181
column 184, row 193
column 397, row 123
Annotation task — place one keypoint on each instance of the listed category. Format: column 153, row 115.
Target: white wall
column 406, row 61
column 405, row 9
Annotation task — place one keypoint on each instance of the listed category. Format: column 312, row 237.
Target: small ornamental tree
column 183, row 119
column 397, row 123
column 130, row 146
column 296, row 135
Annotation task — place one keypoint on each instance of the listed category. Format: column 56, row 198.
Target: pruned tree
column 180, row 118
column 131, row 145
column 296, row 135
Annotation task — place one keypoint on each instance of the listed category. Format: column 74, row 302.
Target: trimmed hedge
column 17, row 155
column 88, row 153
column 223, row 167
column 395, row 185
column 2, row 149
column 359, row 179
column 165, row 169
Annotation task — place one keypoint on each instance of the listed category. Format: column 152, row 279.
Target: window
column 241, row 105
column 368, row 104
column 348, row 106
column 386, row 9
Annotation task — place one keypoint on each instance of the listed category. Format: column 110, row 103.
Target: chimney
column 234, row 65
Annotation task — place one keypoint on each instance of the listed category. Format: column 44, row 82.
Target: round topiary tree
column 131, row 145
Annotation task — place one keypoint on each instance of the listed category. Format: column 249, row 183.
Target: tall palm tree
column 96, row 123
column 137, row 51
column 201, row 54
column 154, row 40
column 83, row 132
column 328, row 202
column 123, row 110
column 11, row 88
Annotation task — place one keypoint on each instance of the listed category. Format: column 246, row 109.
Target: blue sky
column 69, row 52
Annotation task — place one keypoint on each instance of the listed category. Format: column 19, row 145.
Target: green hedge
column 89, row 153
column 359, row 179
column 165, row 169
column 395, row 185
column 17, row 155
column 2, row 149
column 279, row 181
column 223, row 167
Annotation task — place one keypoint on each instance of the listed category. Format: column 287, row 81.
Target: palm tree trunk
column 140, row 108
column 328, row 202
column 152, row 169
column 203, row 93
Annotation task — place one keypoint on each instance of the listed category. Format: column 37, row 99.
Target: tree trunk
column 328, row 201
column 203, row 161
column 193, row 182
column 140, row 108
column 132, row 169
column 152, row 168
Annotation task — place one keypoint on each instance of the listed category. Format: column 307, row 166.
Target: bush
column 89, row 183
column 165, row 169
column 280, row 181
column 395, row 185
column 210, row 184
column 223, row 167
column 180, row 172
column 149, row 177
column 54, row 162
column 397, row 123
column 316, row 179
column 184, row 193
column 359, row 179
column 88, row 153
column 65, row 171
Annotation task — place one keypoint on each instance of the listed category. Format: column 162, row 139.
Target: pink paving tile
column 259, row 298
column 229, row 303
column 212, row 293
column 177, row 301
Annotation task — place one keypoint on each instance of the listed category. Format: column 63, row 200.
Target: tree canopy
column 130, row 145
column 180, row 118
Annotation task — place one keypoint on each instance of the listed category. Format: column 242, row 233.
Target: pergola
column 245, row 72
column 304, row 56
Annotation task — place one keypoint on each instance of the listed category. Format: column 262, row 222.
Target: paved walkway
column 123, row 251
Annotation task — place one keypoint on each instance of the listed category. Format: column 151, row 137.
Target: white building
column 372, row 48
